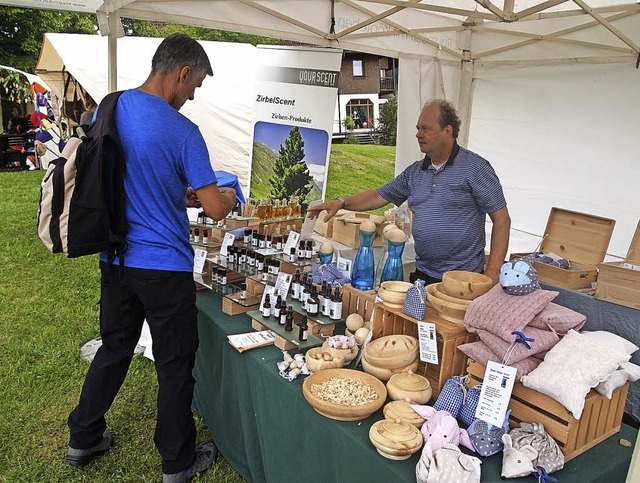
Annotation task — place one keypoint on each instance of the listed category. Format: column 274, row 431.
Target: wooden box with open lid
column 582, row 239
column 619, row 282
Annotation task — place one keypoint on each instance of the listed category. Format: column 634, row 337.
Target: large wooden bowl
column 314, row 364
column 385, row 374
column 396, row 286
column 453, row 312
column 342, row 412
column 391, row 298
column 392, row 351
column 466, row 285
column 436, row 290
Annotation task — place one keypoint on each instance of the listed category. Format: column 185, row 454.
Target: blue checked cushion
column 452, row 396
column 468, row 410
column 414, row 303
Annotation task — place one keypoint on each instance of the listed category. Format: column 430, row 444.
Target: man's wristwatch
column 342, row 201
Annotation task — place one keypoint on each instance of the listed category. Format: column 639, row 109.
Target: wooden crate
column 346, row 230
column 234, row 307
column 582, row 239
column 239, row 222
column 326, row 228
column 601, row 417
column 618, row 284
column 356, row 301
column 452, row 362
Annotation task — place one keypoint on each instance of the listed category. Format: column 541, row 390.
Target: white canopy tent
column 547, row 90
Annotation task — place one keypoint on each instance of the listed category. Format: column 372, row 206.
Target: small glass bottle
column 269, row 241
column 301, row 250
column 276, row 267
column 336, row 305
column 196, row 235
column 260, row 262
column 293, row 257
column 205, row 236
column 283, row 314
column 243, row 290
column 251, row 258
column 295, row 285
column 262, row 241
column 223, row 276
column 266, row 307
column 312, row 303
column 326, row 306
column 308, row 252
column 254, row 238
column 288, row 325
column 303, row 332
column 277, row 307
column 246, row 239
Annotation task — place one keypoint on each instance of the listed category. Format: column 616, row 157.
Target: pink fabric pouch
column 480, row 352
column 543, row 341
column 558, row 319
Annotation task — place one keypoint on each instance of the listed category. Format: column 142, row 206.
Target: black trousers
column 413, row 276
column 168, row 301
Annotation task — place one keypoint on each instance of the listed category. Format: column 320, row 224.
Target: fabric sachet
column 415, row 301
column 447, row 465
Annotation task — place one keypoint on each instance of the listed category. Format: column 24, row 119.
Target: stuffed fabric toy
column 549, row 456
column 519, row 277
column 487, row 438
column 517, row 462
column 440, row 428
column 447, row 465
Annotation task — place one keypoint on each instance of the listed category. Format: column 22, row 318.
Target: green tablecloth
column 269, row 433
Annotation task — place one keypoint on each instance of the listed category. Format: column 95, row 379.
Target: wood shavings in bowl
column 344, row 391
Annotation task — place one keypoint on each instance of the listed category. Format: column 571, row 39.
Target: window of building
column 357, row 68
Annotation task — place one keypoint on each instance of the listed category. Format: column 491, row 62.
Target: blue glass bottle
column 363, row 274
column 393, row 267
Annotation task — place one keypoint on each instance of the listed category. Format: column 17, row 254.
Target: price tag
column 428, row 344
column 283, row 282
column 198, row 260
column 496, row 393
column 229, row 238
column 344, row 265
column 292, row 241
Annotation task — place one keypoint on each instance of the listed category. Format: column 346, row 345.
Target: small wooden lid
column 403, row 410
column 408, row 381
column 395, row 439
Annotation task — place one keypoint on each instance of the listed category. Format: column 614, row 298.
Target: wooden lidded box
column 601, row 417
column 618, row 284
column 326, row 228
column 449, row 335
column 346, row 229
column 582, row 239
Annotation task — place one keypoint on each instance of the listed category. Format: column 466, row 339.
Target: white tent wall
column 222, row 108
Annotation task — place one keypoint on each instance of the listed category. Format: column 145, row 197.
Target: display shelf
column 232, row 304
column 284, row 340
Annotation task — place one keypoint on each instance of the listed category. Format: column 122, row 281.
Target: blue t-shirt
column 164, row 154
column 449, row 210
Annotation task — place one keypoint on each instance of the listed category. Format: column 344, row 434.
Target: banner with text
column 296, row 94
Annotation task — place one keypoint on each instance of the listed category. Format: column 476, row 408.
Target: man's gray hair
column 448, row 115
column 179, row 50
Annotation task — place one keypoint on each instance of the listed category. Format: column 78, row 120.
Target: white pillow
column 571, row 368
column 612, row 340
column 627, row 372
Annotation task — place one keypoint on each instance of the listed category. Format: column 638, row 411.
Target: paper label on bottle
column 228, row 240
column 496, row 392
column 198, row 260
column 344, row 265
column 428, row 345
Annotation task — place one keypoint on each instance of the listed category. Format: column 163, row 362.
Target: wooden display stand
column 284, row 340
column 582, row 239
column 601, row 417
column 452, row 362
column 356, row 301
column 620, row 285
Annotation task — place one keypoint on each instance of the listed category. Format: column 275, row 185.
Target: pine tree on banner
column 291, row 174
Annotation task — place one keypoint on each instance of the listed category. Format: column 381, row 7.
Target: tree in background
column 388, row 121
column 291, row 174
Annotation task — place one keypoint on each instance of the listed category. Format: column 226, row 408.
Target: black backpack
column 82, row 194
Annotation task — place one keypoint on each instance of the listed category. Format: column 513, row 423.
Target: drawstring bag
column 487, row 438
column 550, row 458
column 468, row 411
column 452, row 396
column 415, row 301
column 447, row 465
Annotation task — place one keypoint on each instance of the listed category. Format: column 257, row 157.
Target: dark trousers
column 413, row 276
column 168, row 301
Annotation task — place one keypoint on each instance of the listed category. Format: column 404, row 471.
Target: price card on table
column 496, row 393
column 282, row 284
column 198, row 260
column 428, row 343
column 344, row 265
column 292, row 241
column 229, row 238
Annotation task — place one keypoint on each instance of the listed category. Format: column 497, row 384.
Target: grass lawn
column 48, row 310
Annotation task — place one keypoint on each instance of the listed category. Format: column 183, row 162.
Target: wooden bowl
column 385, row 374
column 343, row 412
column 466, row 285
column 438, row 291
column 315, row 365
column 403, row 411
column 411, row 386
column 392, row 351
column 396, row 286
column 347, row 354
column 447, row 310
column 391, row 298
column 395, row 439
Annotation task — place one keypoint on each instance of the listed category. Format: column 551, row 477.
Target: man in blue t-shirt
column 167, row 170
column 450, row 192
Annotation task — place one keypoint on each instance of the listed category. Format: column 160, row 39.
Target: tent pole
column 112, row 50
column 465, row 96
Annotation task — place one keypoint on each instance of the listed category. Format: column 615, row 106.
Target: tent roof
column 513, row 31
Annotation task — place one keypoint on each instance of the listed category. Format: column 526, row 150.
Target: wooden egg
column 326, row 247
column 348, row 354
column 368, row 226
column 396, row 235
column 329, row 358
column 354, row 322
column 403, row 411
column 361, row 334
column 408, row 385
column 388, row 228
column 395, row 439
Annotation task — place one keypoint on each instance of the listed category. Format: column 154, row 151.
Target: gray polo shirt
column 449, row 209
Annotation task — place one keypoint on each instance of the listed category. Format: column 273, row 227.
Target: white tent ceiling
column 548, row 90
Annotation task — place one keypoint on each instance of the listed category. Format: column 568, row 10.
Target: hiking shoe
column 80, row 457
column 206, row 455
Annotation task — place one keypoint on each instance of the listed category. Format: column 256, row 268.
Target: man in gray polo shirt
column 450, row 192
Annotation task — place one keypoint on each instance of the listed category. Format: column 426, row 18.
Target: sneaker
column 80, row 457
column 206, row 455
